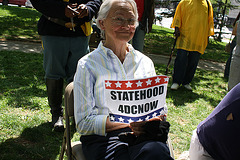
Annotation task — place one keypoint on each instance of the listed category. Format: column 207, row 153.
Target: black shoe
column 57, row 123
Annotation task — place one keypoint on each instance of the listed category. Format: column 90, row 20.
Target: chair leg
column 169, row 143
column 63, row 148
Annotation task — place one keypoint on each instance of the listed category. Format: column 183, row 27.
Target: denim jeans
column 138, row 39
column 185, row 66
column 61, row 55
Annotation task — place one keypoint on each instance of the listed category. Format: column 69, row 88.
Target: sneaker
column 175, row 86
column 57, row 124
column 188, row 87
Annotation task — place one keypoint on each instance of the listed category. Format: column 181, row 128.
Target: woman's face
column 120, row 22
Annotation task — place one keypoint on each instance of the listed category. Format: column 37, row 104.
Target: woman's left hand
column 138, row 127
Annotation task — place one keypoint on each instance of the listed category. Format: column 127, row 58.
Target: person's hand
column 159, row 118
column 177, row 32
column 82, row 10
column 111, row 126
column 70, row 10
column 138, row 127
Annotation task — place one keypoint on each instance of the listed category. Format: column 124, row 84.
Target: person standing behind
column 234, row 74
column 193, row 23
column 64, row 43
column 145, row 18
column 231, row 47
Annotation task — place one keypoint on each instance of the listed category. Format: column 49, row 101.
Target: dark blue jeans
column 185, row 66
column 138, row 39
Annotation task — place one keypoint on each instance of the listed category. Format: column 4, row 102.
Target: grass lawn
column 25, row 132
column 160, row 41
column 18, row 23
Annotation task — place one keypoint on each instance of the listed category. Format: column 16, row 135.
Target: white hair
column 105, row 8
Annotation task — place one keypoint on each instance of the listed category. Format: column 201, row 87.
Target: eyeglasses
column 121, row 21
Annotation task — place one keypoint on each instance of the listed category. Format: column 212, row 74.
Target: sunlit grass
column 24, row 112
column 25, row 132
column 160, row 41
column 18, row 23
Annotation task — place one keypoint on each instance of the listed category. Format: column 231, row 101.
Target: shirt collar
column 109, row 53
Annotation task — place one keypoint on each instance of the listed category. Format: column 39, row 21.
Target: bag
column 154, row 131
column 228, row 47
column 87, row 28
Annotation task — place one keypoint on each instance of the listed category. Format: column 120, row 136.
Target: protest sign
column 136, row 100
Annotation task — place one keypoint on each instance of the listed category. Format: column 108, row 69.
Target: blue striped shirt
column 90, row 109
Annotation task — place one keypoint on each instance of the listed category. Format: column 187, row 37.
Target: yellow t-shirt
column 195, row 22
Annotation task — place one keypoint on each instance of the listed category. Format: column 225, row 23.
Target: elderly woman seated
column 117, row 60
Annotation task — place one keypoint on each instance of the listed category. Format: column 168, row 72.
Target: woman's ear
column 101, row 22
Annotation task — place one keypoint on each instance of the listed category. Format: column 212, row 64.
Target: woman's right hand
column 112, row 126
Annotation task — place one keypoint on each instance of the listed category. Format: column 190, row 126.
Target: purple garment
column 221, row 137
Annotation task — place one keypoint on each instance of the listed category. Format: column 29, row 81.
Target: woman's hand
column 138, row 127
column 111, row 126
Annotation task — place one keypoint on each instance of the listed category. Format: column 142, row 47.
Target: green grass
column 25, row 132
column 160, row 41
column 24, row 127
column 18, row 23
column 188, row 109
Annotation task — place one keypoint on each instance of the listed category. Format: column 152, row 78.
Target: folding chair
column 74, row 149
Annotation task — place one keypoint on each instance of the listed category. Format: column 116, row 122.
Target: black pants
column 109, row 147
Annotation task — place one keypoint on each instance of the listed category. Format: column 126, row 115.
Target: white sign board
column 136, row 100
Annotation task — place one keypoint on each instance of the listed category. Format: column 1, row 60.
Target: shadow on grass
column 36, row 143
column 20, row 23
column 205, row 84
column 182, row 96
column 22, row 79
column 159, row 41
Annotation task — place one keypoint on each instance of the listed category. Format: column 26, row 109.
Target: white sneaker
column 188, row 87
column 175, row 86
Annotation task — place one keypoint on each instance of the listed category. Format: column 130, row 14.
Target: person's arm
column 57, row 9
column 87, row 119
column 151, row 15
column 234, row 32
column 210, row 19
column 177, row 20
column 177, row 32
column 51, row 8
column 93, row 8
column 111, row 126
